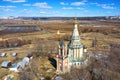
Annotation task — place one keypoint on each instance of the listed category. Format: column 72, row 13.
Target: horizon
column 7, row 17
column 61, row 8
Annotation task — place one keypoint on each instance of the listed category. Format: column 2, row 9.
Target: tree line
column 13, row 43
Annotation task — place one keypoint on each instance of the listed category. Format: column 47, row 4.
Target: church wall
column 81, row 52
column 71, row 53
column 76, row 53
column 62, row 64
column 85, row 50
column 59, row 64
column 65, row 65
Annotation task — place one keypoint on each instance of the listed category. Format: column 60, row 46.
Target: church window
column 75, row 64
column 61, row 67
column 61, row 51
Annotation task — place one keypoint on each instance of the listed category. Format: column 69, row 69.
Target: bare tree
column 44, row 47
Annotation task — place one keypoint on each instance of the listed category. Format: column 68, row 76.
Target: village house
column 22, row 64
column 6, row 64
column 3, row 54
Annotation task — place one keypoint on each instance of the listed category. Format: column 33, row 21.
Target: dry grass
column 49, row 32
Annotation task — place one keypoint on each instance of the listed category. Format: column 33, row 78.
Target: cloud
column 108, row 12
column 7, row 8
column 42, row 12
column 25, row 11
column 83, row 9
column 15, row 1
column 49, row 12
column 79, row 3
column 42, row 5
column 77, row 8
column 56, row 12
column 63, row 3
column 80, row 8
column 105, row 6
column 26, row 4
column 67, row 8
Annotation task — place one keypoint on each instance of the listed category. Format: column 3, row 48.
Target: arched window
column 61, row 52
column 61, row 67
column 75, row 64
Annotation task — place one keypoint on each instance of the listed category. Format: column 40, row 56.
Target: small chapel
column 72, row 54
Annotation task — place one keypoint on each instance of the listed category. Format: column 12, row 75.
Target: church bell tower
column 62, row 58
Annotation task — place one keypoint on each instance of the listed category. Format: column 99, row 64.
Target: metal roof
column 24, row 62
column 2, row 54
column 62, row 45
column 14, row 54
column 75, row 41
column 5, row 63
column 21, row 64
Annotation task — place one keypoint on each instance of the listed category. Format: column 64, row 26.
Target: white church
column 72, row 54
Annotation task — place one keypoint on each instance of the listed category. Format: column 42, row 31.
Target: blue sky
column 59, row 8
